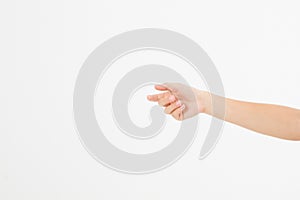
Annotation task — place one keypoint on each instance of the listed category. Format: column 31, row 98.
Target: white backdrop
column 254, row 44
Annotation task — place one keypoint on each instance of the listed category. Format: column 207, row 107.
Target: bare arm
column 273, row 120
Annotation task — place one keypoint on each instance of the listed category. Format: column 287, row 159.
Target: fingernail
column 182, row 107
column 178, row 103
column 171, row 98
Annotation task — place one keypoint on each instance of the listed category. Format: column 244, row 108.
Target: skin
column 273, row 120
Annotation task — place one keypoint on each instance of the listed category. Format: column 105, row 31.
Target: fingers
column 160, row 87
column 165, row 86
column 169, row 109
column 167, row 100
column 157, row 97
column 178, row 113
column 170, row 86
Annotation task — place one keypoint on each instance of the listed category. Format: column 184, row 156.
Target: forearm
column 277, row 121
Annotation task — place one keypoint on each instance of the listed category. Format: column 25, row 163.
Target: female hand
column 179, row 100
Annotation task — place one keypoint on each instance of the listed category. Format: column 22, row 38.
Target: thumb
column 161, row 87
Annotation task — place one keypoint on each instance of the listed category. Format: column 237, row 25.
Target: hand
column 180, row 101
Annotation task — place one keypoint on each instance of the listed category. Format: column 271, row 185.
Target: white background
column 254, row 44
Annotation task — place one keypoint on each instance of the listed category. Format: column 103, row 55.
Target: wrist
column 204, row 102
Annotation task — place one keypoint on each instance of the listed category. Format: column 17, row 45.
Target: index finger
column 157, row 97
